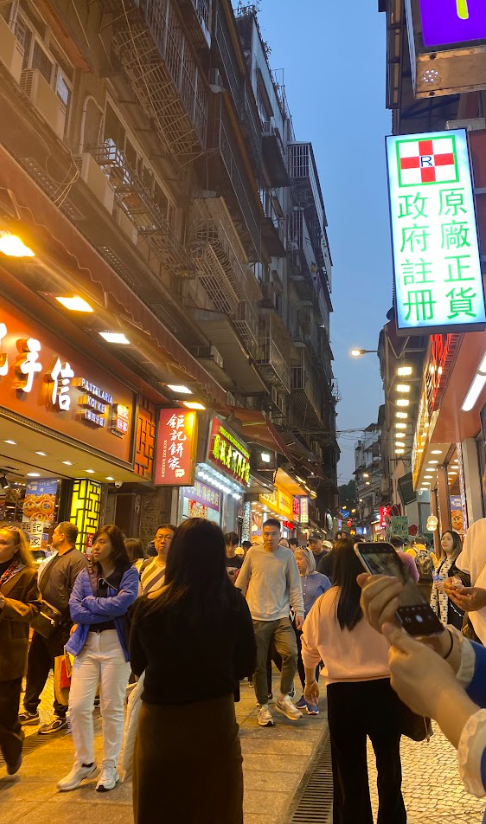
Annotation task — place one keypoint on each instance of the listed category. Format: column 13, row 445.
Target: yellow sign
column 279, row 501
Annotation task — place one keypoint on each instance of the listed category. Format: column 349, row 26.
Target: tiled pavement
column 274, row 762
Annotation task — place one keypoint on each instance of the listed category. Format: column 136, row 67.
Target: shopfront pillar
column 472, row 481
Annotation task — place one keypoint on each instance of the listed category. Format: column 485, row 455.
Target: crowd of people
column 205, row 603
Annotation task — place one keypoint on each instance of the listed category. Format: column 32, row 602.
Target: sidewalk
column 275, row 760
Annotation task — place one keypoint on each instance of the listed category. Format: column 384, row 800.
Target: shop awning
column 50, row 231
column 257, row 428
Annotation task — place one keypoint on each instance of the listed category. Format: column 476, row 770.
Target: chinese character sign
column 228, row 453
column 204, row 494
column 447, row 22
column 176, row 446
column 438, row 283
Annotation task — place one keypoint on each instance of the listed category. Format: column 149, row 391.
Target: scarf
column 15, row 567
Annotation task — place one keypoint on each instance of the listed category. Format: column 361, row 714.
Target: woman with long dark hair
column 19, row 604
column 99, row 603
column 360, row 700
column 187, row 754
column 444, row 608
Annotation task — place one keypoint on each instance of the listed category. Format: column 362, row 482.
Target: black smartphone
column 414, row 613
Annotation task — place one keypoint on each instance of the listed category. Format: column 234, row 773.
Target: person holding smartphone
column 361, row 702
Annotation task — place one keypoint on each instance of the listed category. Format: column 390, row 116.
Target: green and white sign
column 437, row 265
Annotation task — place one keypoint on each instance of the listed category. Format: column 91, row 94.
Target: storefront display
column 39, row 509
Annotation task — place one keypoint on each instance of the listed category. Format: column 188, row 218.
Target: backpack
column 425, row 565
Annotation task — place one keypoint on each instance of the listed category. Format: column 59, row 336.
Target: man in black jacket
column 56, row 580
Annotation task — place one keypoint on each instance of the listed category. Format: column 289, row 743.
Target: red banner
column 176, row 448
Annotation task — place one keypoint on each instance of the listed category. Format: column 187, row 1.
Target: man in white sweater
column 270, row 580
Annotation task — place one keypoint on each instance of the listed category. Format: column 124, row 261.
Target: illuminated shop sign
column 304, row 510
column 452, row 21
column 279, row 501
column 176, row 448
column 437, row 267
column 204, row 494
column 228, row 453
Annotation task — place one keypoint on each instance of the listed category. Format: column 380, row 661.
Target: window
column 41, row 61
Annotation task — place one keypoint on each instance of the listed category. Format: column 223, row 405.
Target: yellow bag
column 61, row 680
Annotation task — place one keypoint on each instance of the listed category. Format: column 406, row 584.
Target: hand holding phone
column 414, row 613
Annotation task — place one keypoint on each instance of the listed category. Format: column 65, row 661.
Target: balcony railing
column 137, row 202
column 306, row 389
column 158, row 60
column 273, row 353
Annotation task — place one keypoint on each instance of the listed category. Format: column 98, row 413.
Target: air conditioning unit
column 45, row 99
column 96, row 180
column 208, row 353
column 473, row 124
column 11, row 52
column 126, row 224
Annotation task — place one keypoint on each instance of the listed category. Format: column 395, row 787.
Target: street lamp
column 356, row 353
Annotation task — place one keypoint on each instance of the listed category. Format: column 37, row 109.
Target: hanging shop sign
column 437, row 266
column 399, row 527
column 46, row 381
column 447, row 40
column 175, row 456
column 304, row 510
column 205, row 495
column 439, row 365
column 384, row 516
column 228, row 453
column 279, row 501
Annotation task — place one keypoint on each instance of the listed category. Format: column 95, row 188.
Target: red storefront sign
column 384, row 516
column 176, row 448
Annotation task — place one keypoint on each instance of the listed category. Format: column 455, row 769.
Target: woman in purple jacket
column 98, row 604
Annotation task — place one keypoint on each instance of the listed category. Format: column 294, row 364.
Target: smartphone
column 414, row 613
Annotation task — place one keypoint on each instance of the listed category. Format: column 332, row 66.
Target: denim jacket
column 87, row 609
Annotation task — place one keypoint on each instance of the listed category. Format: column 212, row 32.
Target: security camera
column 118, row 484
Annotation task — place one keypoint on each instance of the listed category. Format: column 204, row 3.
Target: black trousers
column 11, row 735
column 357, row 710
column 40, row 661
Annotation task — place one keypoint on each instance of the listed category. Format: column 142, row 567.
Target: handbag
column 47, row 620
column 416, row 727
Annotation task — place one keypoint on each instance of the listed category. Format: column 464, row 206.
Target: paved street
column 274, row 764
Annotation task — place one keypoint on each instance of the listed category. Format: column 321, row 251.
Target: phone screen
column 414, row 612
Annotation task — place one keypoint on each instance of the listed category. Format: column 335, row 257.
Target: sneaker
column 28, row 719
column 301, row 704
column 265, row 717
column 78, row 773
column 285, row 706
column 108, row 779
column 15, row 767
column 55, row 725
column 312, row 709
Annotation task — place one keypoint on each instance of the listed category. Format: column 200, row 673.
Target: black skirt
column 188, row 764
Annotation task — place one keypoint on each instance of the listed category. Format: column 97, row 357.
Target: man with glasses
column 152, row 573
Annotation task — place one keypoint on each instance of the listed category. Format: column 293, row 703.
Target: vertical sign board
column 176, row 448
column 437, row 266
column 449, row 22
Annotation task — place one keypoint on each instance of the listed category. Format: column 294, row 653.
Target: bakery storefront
column 67, row 431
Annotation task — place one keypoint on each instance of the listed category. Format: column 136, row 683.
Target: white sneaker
column 78, row 773
column 285, row 706
column 108, row 779
column 265, row 717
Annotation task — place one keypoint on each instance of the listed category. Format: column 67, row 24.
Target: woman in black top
column 187, row 754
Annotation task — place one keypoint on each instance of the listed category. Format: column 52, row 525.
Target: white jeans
column 101, row 661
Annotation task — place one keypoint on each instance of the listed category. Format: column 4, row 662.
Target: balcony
column 221, row 265
column 136, row 207
column 274, row 156
column 197, row 15
column 228, row 173
column 306, row 391
column 157, row 59
column 306, row 191
column 274, row 352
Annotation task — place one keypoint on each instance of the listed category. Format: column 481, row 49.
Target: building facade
column 149, row 167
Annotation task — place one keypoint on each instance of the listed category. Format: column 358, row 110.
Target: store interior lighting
column 400, row 426
column 404, row 371
column 115, row 337
column 403, row 402
column 403, row 387
column 194, row 405
column 179, row 388
column 402, row 415
column 13, row 246
column 11, row 442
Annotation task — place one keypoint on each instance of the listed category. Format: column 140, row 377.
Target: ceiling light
column 194, row 405
column 403, row 402
column 436, row 452
column 399, row 451
column 43, row 454
column 433, row 462
column 115, row 337
column 89, row 471
column 75, row 304
column 402, row 414
column 11, row 442
column 475, row 390
column 67, row 463
column 181, row 390
column 402, row 387
column 400, row 444
column 266, row 457
column 13, row 246
column 368, row 483
column 428, row 477
column 109, row 478
column 404, row 370
column 400, row 426
column 33, row 474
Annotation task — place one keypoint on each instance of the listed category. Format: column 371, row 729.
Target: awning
column 257, row 428
column 50, row 231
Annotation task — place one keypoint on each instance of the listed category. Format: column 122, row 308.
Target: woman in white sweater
column 360, row 700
